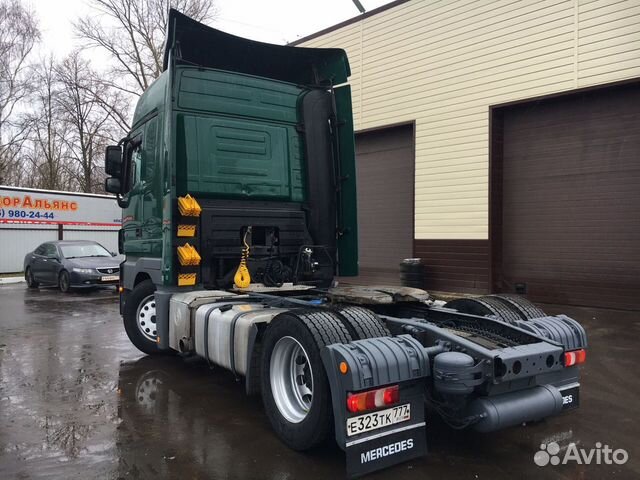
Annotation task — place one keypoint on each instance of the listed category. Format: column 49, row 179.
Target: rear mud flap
column 371, row 364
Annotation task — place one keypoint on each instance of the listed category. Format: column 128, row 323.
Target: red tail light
column 575, row 357
column 361, row 402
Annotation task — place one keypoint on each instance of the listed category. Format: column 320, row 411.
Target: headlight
column 83, row 270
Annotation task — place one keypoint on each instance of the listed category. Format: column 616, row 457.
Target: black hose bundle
column 276, row 274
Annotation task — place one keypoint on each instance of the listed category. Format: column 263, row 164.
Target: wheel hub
column 146, row 318
column 291, row 379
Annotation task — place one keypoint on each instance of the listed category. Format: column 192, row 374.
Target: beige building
column 499, row 140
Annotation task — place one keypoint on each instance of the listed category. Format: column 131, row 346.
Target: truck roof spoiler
column 197, row 44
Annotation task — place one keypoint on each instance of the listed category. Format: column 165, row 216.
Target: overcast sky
column 274, row 21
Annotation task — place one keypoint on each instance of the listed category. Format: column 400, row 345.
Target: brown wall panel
column 455, row 265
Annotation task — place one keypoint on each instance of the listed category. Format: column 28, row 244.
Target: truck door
column 143, row 230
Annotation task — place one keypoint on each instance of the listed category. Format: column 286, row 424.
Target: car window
column 80, row 250
column 39, row 250
column 50, row 250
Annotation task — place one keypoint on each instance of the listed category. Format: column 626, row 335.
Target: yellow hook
column 242, row 278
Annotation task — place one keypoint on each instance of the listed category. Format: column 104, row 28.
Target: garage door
column 385, row 165
column 571, row 199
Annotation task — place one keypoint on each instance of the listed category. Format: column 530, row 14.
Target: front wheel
column 140, row 317
column 64, row 281
column 295, row 389
column 31, row 281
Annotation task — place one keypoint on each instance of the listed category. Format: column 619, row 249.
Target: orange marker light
column 343, row 368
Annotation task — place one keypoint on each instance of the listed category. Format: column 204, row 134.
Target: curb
column 10, row 280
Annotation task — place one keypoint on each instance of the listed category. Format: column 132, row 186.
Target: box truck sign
column 50, row 208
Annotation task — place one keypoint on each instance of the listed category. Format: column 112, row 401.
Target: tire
column 137, row 301
column 527, row 310
column 506, row 312
column 64, row 282
column 362, row 323
column 484, row 306
column 412, row 276
column 300, row 414
column 28, row 276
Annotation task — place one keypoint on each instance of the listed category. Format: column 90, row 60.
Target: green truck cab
column 261, row 136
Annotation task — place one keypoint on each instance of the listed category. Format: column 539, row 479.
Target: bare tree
column 132, row 33
column 18, row 34
column 90, row 127
column 48, row 153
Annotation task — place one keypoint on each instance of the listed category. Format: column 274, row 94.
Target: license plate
column 570, row 397
column 110, row 278
column 380, row 419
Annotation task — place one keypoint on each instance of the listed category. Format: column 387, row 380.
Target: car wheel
column 295, row 389
column 64, row 282
column 28, row 276
column 140, row 318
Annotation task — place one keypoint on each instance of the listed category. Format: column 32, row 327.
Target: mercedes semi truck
column 237, row 184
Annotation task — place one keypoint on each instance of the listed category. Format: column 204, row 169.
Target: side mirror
column 113, row 161
column 113, row 254
column 113, row 185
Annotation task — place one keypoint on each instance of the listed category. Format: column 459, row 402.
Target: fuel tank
column 182, row 307
column 222, row 332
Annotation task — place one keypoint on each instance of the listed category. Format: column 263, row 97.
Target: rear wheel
column 527, row 310
column 362, row 323
column 31, row 281
column 295, row 389
column 140, row 317
column 64, row 281
column 485, row 306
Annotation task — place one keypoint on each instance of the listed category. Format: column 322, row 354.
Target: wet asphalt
column 77, row 400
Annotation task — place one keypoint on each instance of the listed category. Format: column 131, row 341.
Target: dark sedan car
column 71, row 263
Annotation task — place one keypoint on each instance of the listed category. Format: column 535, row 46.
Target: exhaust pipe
column 515, row 408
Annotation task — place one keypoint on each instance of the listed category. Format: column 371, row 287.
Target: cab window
column 150, row 139
column 134, row 164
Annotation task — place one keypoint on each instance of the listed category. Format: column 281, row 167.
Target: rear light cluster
column 575, row 357
column 361, row 402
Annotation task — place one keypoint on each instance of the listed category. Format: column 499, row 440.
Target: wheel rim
column 146, row 318
column 29, row 277
column 291, row 379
